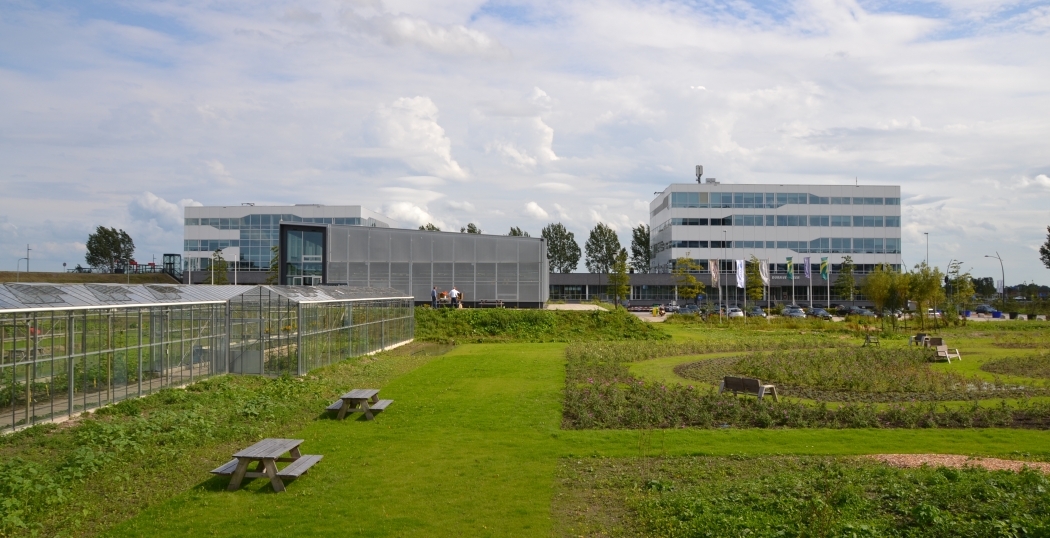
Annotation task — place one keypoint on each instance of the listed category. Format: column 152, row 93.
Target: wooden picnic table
column 360, row 401
column 266, row 454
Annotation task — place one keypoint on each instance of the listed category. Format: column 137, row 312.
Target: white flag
column 740, row 281
column 809, row 273
column 713, row 265
column 763, row 271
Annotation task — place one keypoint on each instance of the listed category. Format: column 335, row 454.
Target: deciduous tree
column 620, row 280
column 563, row 253
column 641, row 249
column 217, row 274
column 685, row 271
column 755, row 288
column 517, row 232
column 428, row 227
column 846, row 282
column 470, row 228
column 601, row 249
column 108, row 247
column 1044, row 250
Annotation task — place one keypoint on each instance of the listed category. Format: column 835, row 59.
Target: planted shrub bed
column 797, row 496
column 601, row 393
column 475, row 325
column 855, row 375
column 1030, row 366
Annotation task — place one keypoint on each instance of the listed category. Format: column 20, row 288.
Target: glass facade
column 73, row 348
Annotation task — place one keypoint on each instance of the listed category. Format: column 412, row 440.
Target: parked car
column 793, row 312
column 756, row 312
column 820, row 313
column 736, row 313
column 689, row 309
column 931, row 313
column 984, row 309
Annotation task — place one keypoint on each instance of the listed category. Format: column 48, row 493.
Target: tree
column 563, row 252
column 517, row 232
column 108, row 247
column 960, row 291
column 900, row 293
column 430, row 228
column 620, row 280
column 926, row 289
column 984, row 286
column 602, row 247
column 217, row 274
column 878, row 288
column 641, row 250
column 1044, row 250
column 685, row 271
column 753, row 284
column 471, row 228
column 274, row 274
column 846, row 281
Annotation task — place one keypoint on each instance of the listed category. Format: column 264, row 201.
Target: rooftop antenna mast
column 699, row 172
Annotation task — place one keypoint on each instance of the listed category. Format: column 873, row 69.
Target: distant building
column 247, row 233
column 485, row 268
column 728, row 222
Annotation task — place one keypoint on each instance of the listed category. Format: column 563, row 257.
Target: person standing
column 434, row 297
column 454, row 295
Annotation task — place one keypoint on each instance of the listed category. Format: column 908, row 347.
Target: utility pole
column 27, row 257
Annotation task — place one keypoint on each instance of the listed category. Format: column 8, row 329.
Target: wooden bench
column 918, row 339
column 265, row 454
column 747, row 385
column 871, row 340
column 490, row 303
column 944, row 353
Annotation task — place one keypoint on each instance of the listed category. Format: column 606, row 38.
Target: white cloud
column 219, row 173
column 534, row 210
column 412, row 214
column 1038, row 183
column 409, row 127
column 149, row 207
column 401, row 29
column 463, row 206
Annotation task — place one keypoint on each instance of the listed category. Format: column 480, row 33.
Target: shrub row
column 475, row 325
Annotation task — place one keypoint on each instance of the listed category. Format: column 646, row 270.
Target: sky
column 516, row 113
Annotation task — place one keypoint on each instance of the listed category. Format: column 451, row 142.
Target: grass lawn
column 471, row 447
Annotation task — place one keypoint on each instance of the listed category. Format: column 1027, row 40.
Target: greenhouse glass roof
column 37, row 297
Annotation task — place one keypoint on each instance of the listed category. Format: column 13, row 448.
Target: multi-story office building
column 246, row 233
column 727, row 222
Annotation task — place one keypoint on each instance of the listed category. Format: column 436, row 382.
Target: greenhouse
column 71, row 348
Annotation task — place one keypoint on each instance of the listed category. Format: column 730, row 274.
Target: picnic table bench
column 747, row 385
column 359, row 401
column 871, row 340
column 918, row 339
column 490, row 303
column 266, row 454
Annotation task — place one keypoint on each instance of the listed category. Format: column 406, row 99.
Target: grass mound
column 475, row 325
column 1031, row 366
column 798, row 496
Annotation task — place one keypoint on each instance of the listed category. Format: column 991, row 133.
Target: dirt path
column 954, row 460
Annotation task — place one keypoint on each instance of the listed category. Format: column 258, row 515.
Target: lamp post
column 1002, row 298
column 724, row 247
column 927, row 234
column 18, row 267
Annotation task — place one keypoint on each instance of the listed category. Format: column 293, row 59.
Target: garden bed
column 794, row 496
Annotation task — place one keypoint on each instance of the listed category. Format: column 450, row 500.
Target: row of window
column 857, row 221
column 834, row 245
column 211, row 245
column 267, row 221
column 769, row 199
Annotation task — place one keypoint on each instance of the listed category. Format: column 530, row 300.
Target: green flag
column 824, row 268
column 791, row 269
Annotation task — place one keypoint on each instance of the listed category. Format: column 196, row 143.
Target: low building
column 247, row 233
column 486, row 269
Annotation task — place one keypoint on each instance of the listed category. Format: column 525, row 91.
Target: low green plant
column 1030, row 366
column 802, row 496
column 475, row 325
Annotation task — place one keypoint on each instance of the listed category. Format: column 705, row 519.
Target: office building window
column 840, row 201
column 819, row 220
column 841, row 220
column 814, row 199
column 893, row 222
column 792, row 220
column 748, row 220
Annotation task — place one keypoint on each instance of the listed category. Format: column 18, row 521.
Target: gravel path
column 953, row 460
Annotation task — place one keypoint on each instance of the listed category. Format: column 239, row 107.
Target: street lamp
column 927, row 234
column 1002, row 297
column 18, row 267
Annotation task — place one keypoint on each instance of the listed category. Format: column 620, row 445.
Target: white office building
column 709, row 220
column 246, row 233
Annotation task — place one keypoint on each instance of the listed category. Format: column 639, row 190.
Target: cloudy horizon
column 517, row 113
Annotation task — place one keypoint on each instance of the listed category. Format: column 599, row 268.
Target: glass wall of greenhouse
column 71, row 348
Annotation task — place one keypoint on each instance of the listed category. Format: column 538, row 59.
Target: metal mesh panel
column 400, row 247
column 507, row 251
column 529, row 292
column 529, row 272
column 379, row 274
column 357, row 250
column 422, row 244
column 486, row 272
column 484, row 291
column 337, row 272
column 465, row 247
column 339, row 238
column 464, row 272
column 485, row 249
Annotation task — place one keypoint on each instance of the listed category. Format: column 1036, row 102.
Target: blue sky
column 514, row 113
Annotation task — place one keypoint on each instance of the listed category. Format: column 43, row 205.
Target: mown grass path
column 471, row 447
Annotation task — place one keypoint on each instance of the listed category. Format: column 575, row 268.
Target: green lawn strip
column 465, row 450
